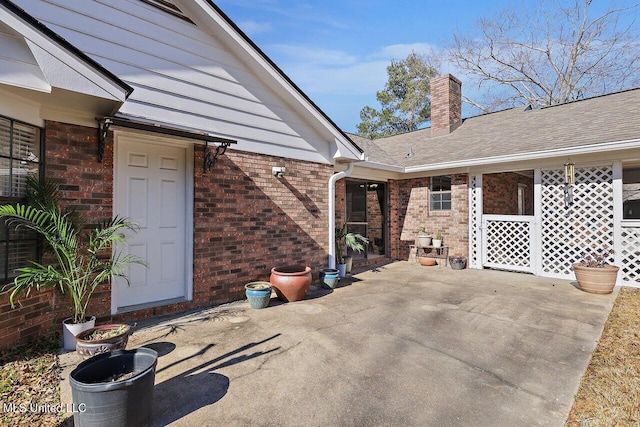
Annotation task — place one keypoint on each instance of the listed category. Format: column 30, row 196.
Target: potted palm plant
column 352, row 241
column 82, row 256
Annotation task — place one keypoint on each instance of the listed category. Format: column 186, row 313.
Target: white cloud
column 401, row 51
column 252, row 27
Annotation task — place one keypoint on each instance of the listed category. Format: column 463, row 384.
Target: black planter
column 102, row 402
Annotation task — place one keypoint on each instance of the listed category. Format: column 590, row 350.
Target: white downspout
column 332, row 212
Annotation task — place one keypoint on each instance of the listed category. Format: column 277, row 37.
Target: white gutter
column 332, row 212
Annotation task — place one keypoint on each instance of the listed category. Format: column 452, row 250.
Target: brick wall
column 500, row 193
column 86, row 186
column 411, row 197
column 246, row 221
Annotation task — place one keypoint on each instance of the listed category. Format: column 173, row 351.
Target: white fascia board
column 344, row 148
column 381, row 166
column 54, row 58
column 531, row 156
column 345, row 151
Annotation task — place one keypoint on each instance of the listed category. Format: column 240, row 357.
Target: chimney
column 446, row 104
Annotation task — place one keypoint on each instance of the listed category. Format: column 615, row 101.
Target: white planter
column 70, row 330
column 436, row 243
column 348, row 261
column 342, row 269
column 424, row 240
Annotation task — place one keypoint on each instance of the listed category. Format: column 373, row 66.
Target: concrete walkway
column 403, row 345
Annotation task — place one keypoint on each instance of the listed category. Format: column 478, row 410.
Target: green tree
column 405, row 100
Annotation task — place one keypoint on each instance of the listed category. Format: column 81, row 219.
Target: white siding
column 184, row 76
column 18, row 67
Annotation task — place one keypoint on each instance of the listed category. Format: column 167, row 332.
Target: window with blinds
column 20, row 153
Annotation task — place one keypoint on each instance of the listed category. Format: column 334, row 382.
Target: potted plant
column 594, row 274
column 352, row 241
column 258, row 294
column 291, row 282
column 424, row 238
column 82, row 257
column 437, row 241
column 103, row 338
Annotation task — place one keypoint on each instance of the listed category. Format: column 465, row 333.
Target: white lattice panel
column 474, row 240
column 508, row 242
column 630, row 242
column 567, row 232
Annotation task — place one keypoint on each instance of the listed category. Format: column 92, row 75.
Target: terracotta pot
column 291, row 283
column 427, row 261
column 87, row 347
column 596, row 280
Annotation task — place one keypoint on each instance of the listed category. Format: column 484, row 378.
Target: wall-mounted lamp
column 277, row 171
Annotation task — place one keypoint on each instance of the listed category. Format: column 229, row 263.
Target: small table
column 439, row 252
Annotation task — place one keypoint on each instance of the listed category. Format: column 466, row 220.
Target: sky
column 337, row 51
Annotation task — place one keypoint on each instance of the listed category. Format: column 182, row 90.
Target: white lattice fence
column 507, row 242
column 630, row 244
column 585, row 225
column 474, row 240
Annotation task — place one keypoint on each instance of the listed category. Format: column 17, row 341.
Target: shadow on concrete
column 162, row 347
column 198, row 386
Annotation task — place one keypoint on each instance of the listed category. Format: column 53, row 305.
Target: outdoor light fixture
column 277, row 171
column 569, row 181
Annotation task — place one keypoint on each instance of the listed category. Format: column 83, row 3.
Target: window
column 20, row 153
column 631, row 193
column 440, row 193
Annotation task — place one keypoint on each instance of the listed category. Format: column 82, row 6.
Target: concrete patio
column 403, row 345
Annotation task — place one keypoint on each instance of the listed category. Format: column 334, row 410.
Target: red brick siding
column 248, row 221
column 245, row 222
column 500, row 193
column 86, row 185
column 411, row 198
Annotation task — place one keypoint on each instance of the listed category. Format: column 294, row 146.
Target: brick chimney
column 446, row 104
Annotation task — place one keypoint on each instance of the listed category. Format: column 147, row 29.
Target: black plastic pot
column 102, row 401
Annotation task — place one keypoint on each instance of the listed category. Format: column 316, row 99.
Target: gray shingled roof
column 608, row 118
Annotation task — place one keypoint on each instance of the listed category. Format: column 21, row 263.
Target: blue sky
column 337, row 51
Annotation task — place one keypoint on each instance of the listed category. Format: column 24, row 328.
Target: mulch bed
column 30, row 385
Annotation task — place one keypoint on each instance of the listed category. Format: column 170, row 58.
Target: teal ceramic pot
column 329, row 277
column 258, row 294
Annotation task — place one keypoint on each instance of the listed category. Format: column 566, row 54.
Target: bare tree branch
column 550, row 54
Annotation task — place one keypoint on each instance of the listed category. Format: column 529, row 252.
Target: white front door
column 150, row 189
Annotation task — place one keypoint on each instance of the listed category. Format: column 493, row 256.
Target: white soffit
column 32, row 60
